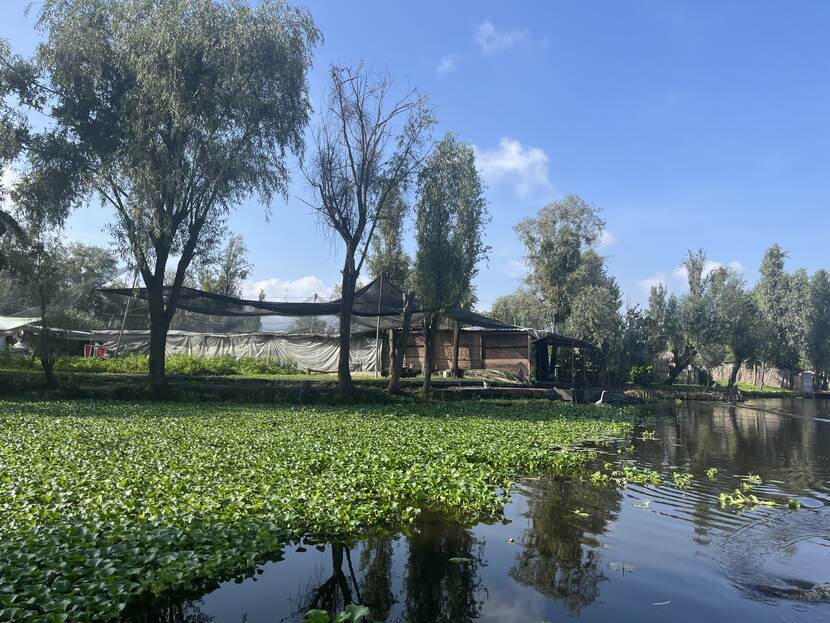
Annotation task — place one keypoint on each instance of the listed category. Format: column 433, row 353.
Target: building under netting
column 306, row 334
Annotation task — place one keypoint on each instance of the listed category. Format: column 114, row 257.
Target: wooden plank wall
column 494, row 351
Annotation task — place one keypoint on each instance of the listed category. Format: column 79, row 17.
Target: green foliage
column 175, row 364
column 783, row 299
column 451, row 212
column 641, row 375
column 523, row 308
column 388, row 256
column 818, row 331
column 681, row 480
column 352, row 613
column 555, row 242
column 102, row 502
column 712, row 473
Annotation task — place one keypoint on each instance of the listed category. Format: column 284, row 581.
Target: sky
column 700, row 124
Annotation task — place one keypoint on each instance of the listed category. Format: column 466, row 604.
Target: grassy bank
column 104, row 501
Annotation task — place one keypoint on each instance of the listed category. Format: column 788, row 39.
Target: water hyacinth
column 104, row 502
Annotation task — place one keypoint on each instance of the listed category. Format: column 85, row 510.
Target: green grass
column 103, row 502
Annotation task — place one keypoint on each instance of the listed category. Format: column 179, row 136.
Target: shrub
column 641, row 375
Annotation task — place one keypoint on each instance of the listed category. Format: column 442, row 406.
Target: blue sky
column 690, row 124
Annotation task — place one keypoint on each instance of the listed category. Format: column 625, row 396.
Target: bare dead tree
column 368, row 145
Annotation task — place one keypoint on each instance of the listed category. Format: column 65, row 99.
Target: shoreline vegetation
column 106, row 503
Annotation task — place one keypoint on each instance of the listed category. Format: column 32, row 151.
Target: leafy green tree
column 594, row 304
column 688, row 327
column 782, row 300
column 366, row 148
column 388, row 255
column 818, row 333
column 523, row 308
column 556, row 242
column 451, row 213
column 228, row 270
column 741, row 321
column 171, row 112
column 12, row 131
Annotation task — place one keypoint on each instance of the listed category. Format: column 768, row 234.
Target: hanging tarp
column 316, row 353
column 10, row 323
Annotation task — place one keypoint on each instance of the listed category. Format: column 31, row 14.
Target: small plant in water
column 740, row 499
column 754, row 479
column 350, row 614
column 681, row 481
column 712, row 473
column 649, row 435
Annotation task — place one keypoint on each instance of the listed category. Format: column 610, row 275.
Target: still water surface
column 570, row 550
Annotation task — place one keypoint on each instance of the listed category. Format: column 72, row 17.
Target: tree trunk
column 159, row 325
column 429, row 338
column 736, row 367
column 681, row 362
column 344, row 370
column 456, row 339
column 400, row 349
column 46, row 360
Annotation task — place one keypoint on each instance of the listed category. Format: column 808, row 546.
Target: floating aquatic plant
column 103, row 502
column 681, row 480
column 712, row 473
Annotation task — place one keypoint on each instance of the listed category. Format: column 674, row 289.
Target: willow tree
column 368, row 145
column 450, row 216
column 172, row 112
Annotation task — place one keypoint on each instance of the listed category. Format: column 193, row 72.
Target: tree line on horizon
column 783, row 321
column 171, row 113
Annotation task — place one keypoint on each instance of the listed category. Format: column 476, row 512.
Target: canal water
column 568, row 549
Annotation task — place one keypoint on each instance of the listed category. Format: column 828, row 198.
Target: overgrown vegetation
column 176, row 364
column 105, row 501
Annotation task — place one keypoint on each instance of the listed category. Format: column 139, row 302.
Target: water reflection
column 561, row 556
column 571, row 549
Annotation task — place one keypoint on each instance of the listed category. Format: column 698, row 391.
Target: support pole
column 126, row 310
column 377, row 331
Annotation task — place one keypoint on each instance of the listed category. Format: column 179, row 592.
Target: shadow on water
column 570, row 549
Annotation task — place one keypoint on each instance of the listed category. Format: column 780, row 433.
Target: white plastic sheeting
column 318, row 353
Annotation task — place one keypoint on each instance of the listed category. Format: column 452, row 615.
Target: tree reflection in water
column 376, row 581
column 442, row 573
column 183, row 612
column 560, row 554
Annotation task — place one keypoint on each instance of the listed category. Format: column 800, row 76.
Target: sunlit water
column 568, row 549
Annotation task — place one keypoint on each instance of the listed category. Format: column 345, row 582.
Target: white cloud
column 526, row 168
column 606, row 239
column 655, row 280
column 491, row 40
column 515, row 268
column 447, row 65
column 277, row 289
column 677, row 280
column 709, row 267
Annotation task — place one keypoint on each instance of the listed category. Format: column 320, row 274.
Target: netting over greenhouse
column 376, row 305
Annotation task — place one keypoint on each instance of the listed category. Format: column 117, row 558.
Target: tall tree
column 388, row 256
column 523, row 308
column 227, row 271
column 389, row 259
column 15, row 75
column 781, row 298
column 740, row 319
column 367, row 147
column 687, row 326
column 818, row 333
column 171, row 112
column 555, row 243
column 450, row 216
